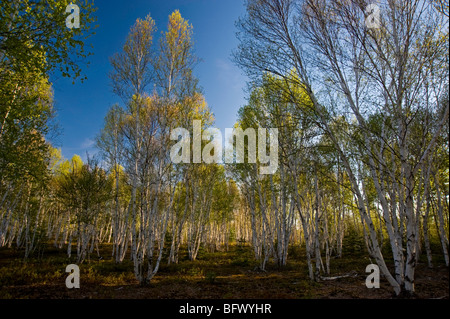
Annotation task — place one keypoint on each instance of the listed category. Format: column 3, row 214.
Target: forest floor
column 228, row 274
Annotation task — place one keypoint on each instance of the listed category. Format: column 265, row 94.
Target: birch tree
column 328, row 45
column 85, row 190
column 142, row 136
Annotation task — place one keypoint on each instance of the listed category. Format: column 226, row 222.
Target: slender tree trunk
column 442, row 233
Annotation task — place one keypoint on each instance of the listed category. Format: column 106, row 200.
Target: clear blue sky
column 81, row 107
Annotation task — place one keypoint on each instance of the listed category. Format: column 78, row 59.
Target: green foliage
column 25, row 112
column 85, row 189
column 34, row 43
column 210, row 277
column 34, row 37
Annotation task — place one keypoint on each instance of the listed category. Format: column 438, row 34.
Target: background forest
column 363, row 167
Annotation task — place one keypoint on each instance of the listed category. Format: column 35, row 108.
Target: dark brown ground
column 219, row 275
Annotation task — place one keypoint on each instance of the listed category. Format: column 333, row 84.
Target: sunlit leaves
column 34, row 36
column 132, row 68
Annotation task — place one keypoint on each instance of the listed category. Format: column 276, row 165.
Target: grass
column 219, row 275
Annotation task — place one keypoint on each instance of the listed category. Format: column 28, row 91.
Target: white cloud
column 87, row 143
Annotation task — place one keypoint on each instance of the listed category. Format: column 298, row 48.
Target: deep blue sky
column 81, row 107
